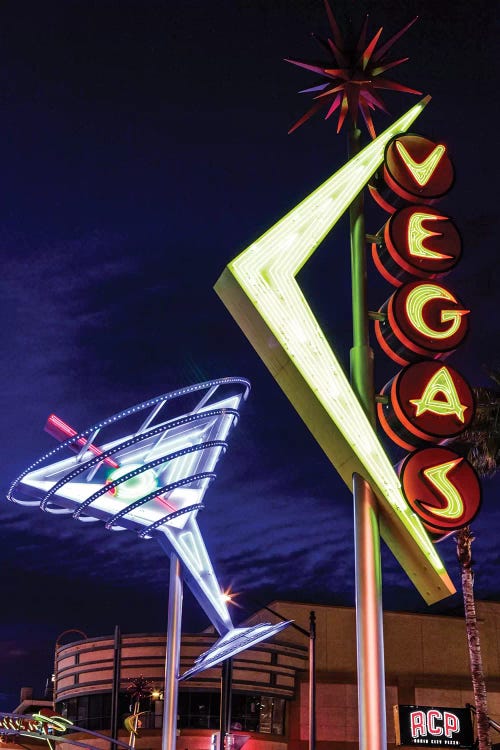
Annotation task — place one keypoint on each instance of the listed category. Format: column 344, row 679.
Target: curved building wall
column 87, row 666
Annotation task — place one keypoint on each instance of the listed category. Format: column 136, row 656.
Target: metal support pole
column 369, row 627
column 312, row 681
column 172, row 663
column 133, row 733
column 115, row 688
column 226, row 689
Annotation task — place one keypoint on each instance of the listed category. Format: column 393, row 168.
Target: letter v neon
column 259, row 289
column 421, row 171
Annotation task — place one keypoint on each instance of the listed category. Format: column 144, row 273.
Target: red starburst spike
column 320, row 40
column 353, row 99
column 343, row 112
column 365, row 57
column 331, row 91
column 337, row 73
column 335, row 105
column 340, row 57
column 368, row 120
column 386, row 47
column 382, row 68
column 362, row 36
column 374, row 101
column 337, row 36
column 306, row 117
column 383, row 83
column 308, row 66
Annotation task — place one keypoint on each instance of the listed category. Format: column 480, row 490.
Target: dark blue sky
column 142, row 145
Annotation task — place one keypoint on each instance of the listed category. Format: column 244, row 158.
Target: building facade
column 426, row 664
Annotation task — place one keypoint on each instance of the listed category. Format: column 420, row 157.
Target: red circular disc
column 428, row 402
column 424, row 320
column 418, row 169
column 422, row 242
column 441, row 487
column 434, row 399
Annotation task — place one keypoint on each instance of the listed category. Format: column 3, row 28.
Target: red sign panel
column 428, row 402
column 417, row 169
column 418, row 241
column 422, row 320
column 441, row 487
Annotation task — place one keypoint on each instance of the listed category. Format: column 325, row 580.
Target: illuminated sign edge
column 433, row 585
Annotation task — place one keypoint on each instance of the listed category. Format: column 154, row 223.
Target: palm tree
column 481, row 444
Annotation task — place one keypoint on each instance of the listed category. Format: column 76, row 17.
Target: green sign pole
column 368, row 570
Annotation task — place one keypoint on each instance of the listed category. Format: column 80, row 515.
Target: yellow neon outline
column 421, row 171
column 417, row 234
column 438, row 477
column 419, row 297
column 440, row 382
column 265, row 272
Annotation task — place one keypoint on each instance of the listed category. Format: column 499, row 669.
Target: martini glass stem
column 175, row 592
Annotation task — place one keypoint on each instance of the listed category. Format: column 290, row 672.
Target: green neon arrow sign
column 260, row 290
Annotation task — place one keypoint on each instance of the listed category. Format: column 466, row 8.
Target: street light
column 226, row 677
column 311, row 634
column 226, row 690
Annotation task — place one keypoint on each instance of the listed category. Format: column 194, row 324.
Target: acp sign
column 430, row 726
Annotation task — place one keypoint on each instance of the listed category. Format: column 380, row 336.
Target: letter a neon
column 441, row 382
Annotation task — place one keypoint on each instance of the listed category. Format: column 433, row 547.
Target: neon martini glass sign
column 149, row 474
column 260, row 289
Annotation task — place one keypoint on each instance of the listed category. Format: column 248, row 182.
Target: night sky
column 142, row 145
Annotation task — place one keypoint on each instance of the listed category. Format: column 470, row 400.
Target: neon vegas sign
column 427, row 402
column 260, row 290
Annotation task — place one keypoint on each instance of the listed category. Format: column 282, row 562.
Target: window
column 196, row 710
